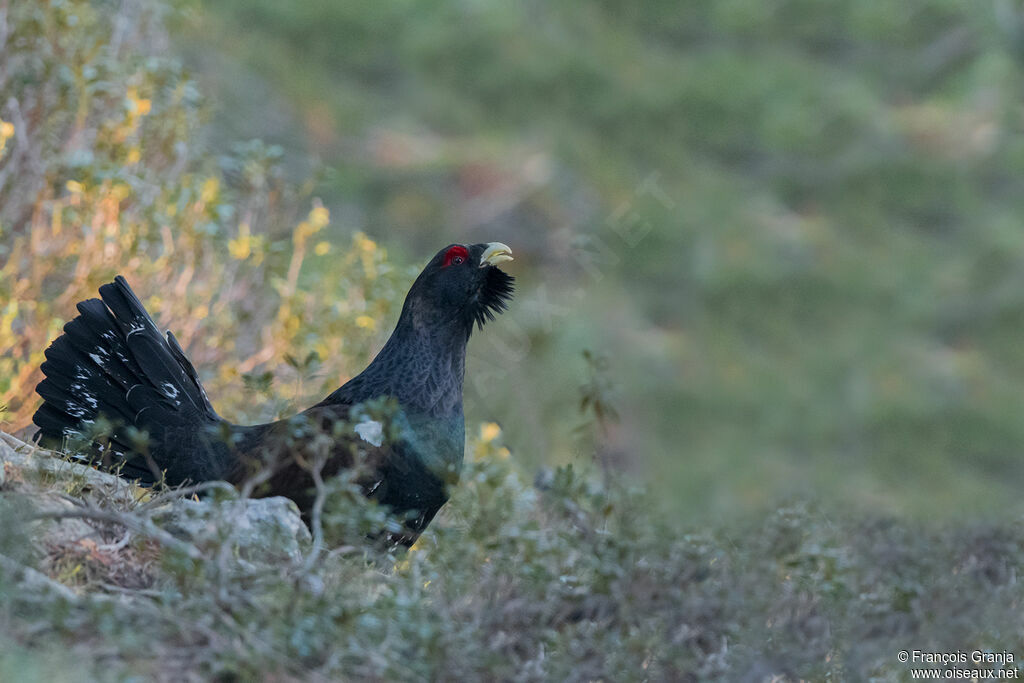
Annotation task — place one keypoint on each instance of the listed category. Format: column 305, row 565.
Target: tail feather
column 158, row 358
column 142, row 398
column 93, row 333
column 113, row 362
column 190, row 372
column 52, row 420
column 68, row 368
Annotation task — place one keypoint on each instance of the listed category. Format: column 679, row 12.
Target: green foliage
column 793, row 225
column 565, row 580
column 101, row 175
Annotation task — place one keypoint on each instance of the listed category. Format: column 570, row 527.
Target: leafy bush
column 562, row 580
column 101, row 175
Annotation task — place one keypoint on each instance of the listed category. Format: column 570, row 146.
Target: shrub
column 101, row 175
column 562, row 580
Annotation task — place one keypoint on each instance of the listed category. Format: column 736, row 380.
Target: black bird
column 114, row 367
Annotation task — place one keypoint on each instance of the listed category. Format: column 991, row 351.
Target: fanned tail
column 113, row 366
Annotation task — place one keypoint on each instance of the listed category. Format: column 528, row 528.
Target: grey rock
column 59, row 532
column 264, row 530
column 32, row 459
column 258, row 529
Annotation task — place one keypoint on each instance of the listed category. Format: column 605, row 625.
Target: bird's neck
column 421, row 365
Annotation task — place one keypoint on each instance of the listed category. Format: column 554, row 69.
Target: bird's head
column 462, row 283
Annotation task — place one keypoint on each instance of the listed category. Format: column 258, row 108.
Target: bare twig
column 316, row 516
column 112, row 547
column 176, row 493
column 133, row 523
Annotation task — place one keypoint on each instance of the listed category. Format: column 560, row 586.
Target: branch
column 132, row 523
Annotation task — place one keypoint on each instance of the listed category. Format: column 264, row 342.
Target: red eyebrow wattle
column 457, row 250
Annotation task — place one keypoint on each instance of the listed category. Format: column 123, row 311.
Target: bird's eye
column 455, row 256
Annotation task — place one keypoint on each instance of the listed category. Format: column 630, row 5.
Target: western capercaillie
column 112, row 366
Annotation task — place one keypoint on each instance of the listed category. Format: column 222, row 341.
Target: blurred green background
column 788, row 233
column 793, row 228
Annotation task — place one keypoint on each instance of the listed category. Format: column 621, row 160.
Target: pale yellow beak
column 495, row 253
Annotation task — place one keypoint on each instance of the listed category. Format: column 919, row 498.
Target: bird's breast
column 437, row 442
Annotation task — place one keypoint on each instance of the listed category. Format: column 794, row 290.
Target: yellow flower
column 139, row 105
column 120, row 191
column 210, row 190
column 367, row 248
column 364, row 243
column 6, row 133
column 366, row 322
column 319, row 217
column 489, row 431
column 322, row 248
column 241, row 248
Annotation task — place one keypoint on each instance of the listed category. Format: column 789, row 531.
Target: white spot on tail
column 370, row 431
